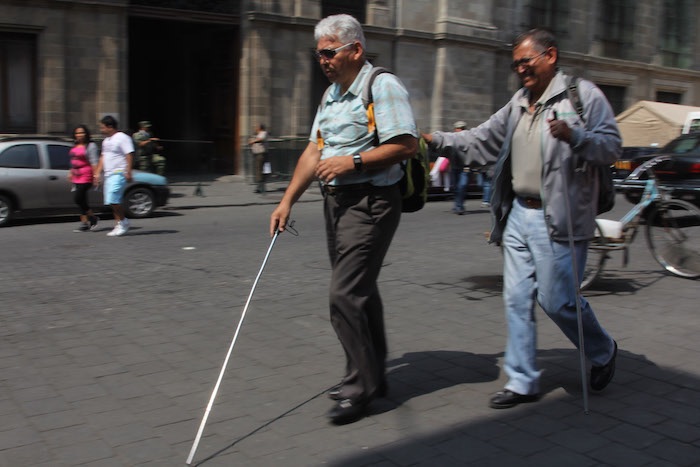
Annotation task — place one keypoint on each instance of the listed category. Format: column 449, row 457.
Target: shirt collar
column 355, row 88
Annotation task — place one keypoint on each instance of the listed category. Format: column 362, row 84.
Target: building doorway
column 183, row 77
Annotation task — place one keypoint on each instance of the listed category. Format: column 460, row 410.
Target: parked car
column 632, row 157
column 34, row 181
column 678, row 173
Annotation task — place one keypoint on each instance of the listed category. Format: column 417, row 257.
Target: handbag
column 257, row 148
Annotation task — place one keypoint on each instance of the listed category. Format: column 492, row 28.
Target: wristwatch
column 357, row 159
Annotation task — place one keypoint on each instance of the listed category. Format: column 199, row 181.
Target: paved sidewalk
column 110, row 348
column 228, row 190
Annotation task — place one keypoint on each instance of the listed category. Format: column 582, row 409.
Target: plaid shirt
column 342, row 120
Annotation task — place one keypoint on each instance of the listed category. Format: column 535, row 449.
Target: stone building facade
column 206, row 71
column 453, row 55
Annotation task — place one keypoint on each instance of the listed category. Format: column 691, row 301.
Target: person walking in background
column 148, row 149
column 116, row 162
column 486, row 175
column 459, row 174
column 544, row 153
column 258, row 146
column 362, row 202
column 84, row 157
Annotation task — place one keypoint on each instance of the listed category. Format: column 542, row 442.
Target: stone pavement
column 111, row 348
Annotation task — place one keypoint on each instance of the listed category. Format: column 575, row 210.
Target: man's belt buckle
column 532, row 203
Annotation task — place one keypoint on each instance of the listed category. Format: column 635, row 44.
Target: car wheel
column 139, row 202
column 6, row 210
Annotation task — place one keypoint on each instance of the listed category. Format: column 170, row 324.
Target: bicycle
column 672, row 230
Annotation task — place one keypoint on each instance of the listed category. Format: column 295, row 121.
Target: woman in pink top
column 84, row 157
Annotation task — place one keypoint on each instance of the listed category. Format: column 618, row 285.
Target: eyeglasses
column 515, row 66
column 330, row 53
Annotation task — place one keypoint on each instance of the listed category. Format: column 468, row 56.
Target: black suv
column 680, row 174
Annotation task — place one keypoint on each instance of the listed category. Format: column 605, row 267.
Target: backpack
column 606, row 186
column 416, row 170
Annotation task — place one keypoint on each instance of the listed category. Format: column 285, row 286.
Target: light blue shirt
column 343, row 123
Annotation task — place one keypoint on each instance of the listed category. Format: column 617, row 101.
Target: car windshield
column 690, row 145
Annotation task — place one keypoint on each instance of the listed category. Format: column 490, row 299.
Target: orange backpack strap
column 319, row 139
column 368, row 101
column 371, row 123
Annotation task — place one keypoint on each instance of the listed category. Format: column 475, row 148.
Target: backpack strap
column 319, row 138
column 368, row 101
column 573, row 95
column 575, row 99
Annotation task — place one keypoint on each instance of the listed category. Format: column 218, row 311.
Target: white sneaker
column 126, row 225
column 118, row 231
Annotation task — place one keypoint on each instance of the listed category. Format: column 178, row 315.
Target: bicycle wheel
column 595, row 259
column 673, row 234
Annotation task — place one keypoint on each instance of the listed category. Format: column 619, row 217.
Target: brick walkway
column 111, row 348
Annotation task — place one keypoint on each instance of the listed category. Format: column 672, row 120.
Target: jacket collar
column 555, row 88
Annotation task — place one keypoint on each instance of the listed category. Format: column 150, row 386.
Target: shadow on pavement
column 648, row 415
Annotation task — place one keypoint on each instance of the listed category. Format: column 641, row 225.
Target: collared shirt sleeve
column 392, row 108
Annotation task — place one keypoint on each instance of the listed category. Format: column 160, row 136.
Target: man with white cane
column 544, row 201
column 359, row 171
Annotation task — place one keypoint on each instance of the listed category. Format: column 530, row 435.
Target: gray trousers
column 360, row 226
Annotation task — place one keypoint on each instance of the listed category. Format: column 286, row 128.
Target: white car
column 34, row 181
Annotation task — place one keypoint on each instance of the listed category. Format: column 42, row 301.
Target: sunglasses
column 330, row 53
column 515, row 66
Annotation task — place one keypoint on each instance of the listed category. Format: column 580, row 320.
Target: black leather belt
column 531, row 203
column 351, row 188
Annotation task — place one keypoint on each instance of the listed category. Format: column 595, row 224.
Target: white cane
column 228, row 355
column 577, row 290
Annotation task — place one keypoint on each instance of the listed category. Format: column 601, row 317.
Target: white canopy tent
column 649, row 123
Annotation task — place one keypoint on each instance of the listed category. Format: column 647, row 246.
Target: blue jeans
column 538, row 268
column 461, row 180
column 486, row 187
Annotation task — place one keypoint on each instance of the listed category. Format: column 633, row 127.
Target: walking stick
column 577, row 290
column 228, row 355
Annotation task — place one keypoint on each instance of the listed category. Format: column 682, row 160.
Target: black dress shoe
column 602, row 375
column 348, row 411
column 506, row 399
column 335, row 393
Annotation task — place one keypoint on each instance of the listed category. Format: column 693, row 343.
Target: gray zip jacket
column 565, row 167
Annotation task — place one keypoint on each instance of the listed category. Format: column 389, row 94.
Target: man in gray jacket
column 544, row 153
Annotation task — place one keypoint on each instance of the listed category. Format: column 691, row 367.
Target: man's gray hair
column 343, row 28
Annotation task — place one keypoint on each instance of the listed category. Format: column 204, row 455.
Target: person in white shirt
column 116, row 161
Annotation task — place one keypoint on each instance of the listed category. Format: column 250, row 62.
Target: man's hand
column 560, row 130
column 427, row 137
column 328, row 169
column 279, row 218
